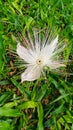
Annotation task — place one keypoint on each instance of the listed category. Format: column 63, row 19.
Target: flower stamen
column 39, row 62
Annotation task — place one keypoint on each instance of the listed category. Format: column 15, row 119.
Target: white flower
column 37, row 56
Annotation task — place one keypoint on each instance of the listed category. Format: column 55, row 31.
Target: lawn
column 46, row 103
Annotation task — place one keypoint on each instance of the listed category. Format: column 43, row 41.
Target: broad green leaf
column 4, row 111
column 10, row 104
column 57, row 85
column 5, row 125
column 40, row 116
column 28, row 104
column 4, row 97
column 41, row 92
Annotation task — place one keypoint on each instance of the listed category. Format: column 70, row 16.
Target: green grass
column 42, row 104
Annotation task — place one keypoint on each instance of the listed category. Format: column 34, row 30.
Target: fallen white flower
column 37, row 56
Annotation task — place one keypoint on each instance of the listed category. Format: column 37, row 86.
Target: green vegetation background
column 39, row 105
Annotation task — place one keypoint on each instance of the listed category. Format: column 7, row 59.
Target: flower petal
column 31, row 41
column 25, row 54
column 37, row 41
column 49, row 49
column 53, row 44
column 31, row 73
column 54, row 64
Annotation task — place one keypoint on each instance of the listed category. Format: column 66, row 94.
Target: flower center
column 39, row 62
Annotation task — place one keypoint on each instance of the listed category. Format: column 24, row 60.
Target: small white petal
column 54, row 64
column 25, row 54
column 31, row 73
column 37, row 43
column 31, row 41
column 48, row 50
column 53, row 44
